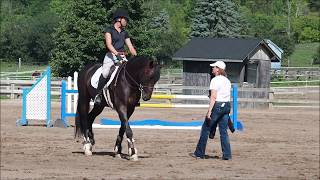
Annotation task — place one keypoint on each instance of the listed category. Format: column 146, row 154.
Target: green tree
column 314, row 5
column 78, row 38
column 157, row 37
column 26, row 28
column 165, row 28
column 215, row 19
column 316, row 57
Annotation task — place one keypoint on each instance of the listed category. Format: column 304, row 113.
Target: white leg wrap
column 87, row 147
column 129, row 151
column 135, row 156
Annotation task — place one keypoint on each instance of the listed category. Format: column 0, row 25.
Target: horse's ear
column 151, row 64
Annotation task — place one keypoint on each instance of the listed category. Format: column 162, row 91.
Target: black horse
column 134, row 79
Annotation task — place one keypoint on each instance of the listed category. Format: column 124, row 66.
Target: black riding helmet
column 120, row 13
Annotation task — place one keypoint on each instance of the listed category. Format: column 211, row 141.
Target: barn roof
column 213, row 49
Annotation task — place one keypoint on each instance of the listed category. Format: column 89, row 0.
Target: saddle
column 95, row 80
column 95, row 77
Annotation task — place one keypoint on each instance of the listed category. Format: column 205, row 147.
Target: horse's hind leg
column 83, row 109
column 97, row 109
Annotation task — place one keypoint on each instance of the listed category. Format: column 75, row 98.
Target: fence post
column 271, row 97
column 12, row 91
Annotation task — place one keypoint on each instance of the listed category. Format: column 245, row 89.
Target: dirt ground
column 275, row 144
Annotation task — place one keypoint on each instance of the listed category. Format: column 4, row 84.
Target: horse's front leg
column 87, row 145
column 118, row 147
column 124, row 115
column 132, row 151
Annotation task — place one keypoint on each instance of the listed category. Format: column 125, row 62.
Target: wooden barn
column 248, row 60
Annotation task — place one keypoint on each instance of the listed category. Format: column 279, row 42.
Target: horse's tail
column 77, row 128
column 83, row 99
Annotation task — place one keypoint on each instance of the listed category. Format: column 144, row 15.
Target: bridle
column 136, row 84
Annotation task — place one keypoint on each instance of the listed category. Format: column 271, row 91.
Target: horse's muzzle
column 146, row 98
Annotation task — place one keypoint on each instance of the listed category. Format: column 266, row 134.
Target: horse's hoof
column 134, row 157
column 118, row 156
column 87, row 149
column 88, row 153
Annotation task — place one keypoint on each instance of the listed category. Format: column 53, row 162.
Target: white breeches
column 108, row 61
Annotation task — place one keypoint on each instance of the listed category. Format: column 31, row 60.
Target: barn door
column 252, row 74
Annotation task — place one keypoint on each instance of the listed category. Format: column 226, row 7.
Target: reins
column 126, row 73
column 139, row 86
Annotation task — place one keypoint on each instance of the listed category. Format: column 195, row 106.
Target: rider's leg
column 107, row 64
column 102, row 82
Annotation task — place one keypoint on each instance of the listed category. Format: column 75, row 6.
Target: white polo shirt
column 223, row 87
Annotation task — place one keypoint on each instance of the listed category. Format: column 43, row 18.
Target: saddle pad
column 97, row 74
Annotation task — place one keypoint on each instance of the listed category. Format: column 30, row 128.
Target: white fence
column 301, row 96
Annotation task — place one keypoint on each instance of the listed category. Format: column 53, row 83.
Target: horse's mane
column 138, row 62
column 138, row 59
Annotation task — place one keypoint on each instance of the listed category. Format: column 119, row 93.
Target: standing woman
column 218, row 112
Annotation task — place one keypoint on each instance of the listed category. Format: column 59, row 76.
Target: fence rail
column 303, row 96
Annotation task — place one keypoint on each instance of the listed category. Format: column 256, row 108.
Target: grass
column 295, row 83
column 13, row 67
column 303, row 55
column 2, row 97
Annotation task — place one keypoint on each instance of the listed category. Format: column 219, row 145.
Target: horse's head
column 149, row 77
column 144, row 73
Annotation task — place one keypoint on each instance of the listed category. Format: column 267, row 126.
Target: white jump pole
column 75, row 96
column 69, row 96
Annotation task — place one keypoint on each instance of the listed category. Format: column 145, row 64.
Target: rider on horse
column 115, row 38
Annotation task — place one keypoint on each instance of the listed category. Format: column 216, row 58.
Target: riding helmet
column 120, row 13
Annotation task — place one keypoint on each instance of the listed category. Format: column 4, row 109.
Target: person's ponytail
column 222, row 72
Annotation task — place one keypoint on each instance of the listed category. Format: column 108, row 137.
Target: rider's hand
column 208, row 115
column 207, row 121
column 119, row 57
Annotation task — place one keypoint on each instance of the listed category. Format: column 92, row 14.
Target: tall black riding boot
column 102, row 82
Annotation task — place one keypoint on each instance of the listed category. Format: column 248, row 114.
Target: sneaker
column 194, row 156
column 224, row 158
